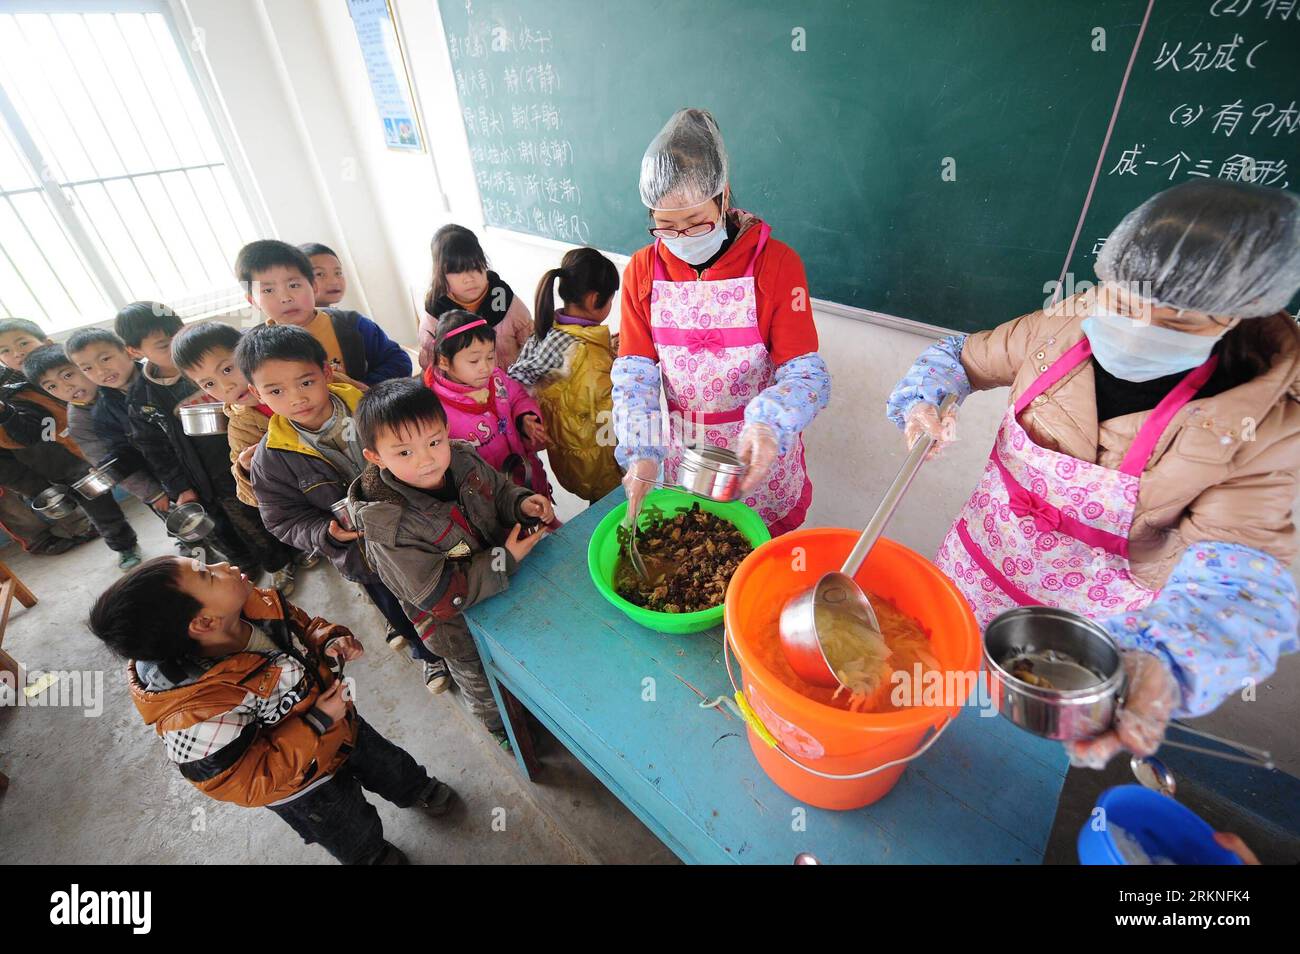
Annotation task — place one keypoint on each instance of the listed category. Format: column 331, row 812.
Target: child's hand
column 519, row 545
column 339, row 535
column 188, row 497
column 333, row 701
column 538, row 505
column 348, row 648
column 245, row 459
column 1234, row 844
column 535, row 432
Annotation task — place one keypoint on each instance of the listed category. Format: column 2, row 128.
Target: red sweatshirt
column 781, row 286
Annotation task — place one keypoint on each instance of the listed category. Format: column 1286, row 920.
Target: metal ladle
column 836, row 592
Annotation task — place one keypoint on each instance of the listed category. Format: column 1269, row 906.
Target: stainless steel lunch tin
column 98, row 481
column 1063, row 715
column 201, row 420
column 342, row 511
column 189, row 523
column 54, row 501
column 711, row 471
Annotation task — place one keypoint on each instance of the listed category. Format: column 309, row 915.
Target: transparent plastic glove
column 639, row 480
column 923, row 418
column 758, row 450
column 1140, row 724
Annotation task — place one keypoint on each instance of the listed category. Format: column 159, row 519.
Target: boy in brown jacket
column 441, row 528
column 246, row 692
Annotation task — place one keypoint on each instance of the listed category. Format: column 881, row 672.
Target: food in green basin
column 604, row 551
column 688, row 558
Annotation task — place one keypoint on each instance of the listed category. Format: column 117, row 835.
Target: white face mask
column 700, row 248
column 1137, row 352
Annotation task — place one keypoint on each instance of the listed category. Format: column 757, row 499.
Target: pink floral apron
column 713, row 361
column 1043, row 527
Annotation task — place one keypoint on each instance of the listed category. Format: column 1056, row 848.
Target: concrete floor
column 98, row 790
column 95, row 790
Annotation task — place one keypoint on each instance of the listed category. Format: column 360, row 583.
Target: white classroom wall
column 292, row 81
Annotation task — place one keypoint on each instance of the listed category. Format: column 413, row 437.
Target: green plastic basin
column 603, row 555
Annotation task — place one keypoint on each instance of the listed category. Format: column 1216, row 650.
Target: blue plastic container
column 1164, row 829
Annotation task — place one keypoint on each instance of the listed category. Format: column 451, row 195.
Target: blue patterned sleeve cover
column 937, row 373
column 800, row 388
column 638, row 426
column 1220, row 623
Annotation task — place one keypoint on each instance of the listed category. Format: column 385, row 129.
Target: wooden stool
column 11, row 586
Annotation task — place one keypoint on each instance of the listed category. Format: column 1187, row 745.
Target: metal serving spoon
column 837, row 592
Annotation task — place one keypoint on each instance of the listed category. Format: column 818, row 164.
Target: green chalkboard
column 1213, row 93
column 931, row 159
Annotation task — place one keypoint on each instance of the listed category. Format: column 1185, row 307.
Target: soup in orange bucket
column 863, row 661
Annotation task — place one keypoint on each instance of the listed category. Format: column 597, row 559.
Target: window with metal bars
column 115, row 184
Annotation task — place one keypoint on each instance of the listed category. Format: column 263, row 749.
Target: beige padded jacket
column 1225, row 469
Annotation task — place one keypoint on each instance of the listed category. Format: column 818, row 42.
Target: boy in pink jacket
column 485, row 406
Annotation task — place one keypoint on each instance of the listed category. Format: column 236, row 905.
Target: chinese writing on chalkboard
column 1211, row 124
column 523, row 161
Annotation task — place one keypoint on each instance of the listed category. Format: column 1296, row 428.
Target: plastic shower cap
column 1223, row 248
column 685, row 164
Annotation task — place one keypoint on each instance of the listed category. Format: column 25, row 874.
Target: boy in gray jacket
column 441, row 528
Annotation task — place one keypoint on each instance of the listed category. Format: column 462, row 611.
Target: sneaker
column 438, row 801
column 396, row 641
column 436, row 677
column 306, row 559
column 503, row 740
column 282, row 580
column 128, row 559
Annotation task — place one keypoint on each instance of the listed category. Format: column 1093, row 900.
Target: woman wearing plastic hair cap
column 717, row 312
column 1146, row 466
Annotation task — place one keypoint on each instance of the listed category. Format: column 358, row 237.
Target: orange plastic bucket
column 814, row 740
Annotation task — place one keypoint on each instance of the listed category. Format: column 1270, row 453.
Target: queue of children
column 427, row 491
column 444, row 487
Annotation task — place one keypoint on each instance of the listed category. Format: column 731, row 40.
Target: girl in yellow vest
column 566, row 365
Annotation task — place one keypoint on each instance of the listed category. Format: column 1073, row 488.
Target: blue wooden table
column 625, row 701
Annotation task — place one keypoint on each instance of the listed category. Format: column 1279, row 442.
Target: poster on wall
column 389, row 82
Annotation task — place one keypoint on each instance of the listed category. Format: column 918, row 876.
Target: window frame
column 189, row 44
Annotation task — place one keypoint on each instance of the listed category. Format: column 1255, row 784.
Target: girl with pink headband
column 484, row 406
